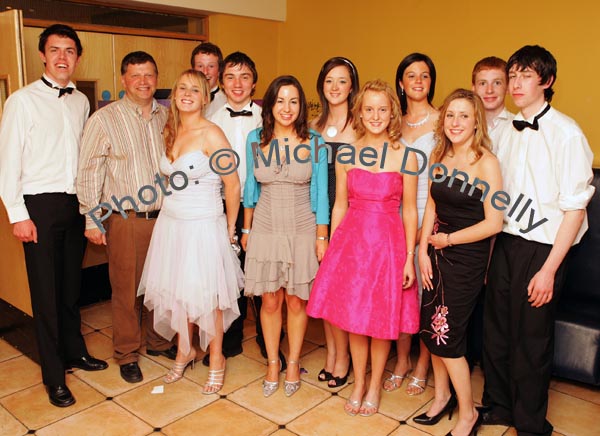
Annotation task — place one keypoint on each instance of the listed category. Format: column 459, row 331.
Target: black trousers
column 232, row 339
column 54, row 274
column 518, row 338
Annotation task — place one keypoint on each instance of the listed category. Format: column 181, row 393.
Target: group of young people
column 376, row 249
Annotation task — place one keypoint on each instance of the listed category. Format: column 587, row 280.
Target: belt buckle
column 146, row 215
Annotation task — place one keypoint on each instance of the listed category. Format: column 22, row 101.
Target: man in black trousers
column 547, row 170
column 39, row 147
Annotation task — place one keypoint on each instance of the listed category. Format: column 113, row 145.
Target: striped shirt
column 120, row 154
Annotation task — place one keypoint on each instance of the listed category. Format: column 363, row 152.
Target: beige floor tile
column 109, row 381
column 407, row 430
column 86, row 329
column 513, row 432
column 252, row 350
column 18, row 373
column 178, row 400
column 571, row 416
column 278, row 408
column 313, row 362
column 329, row 418
column 221, row 418
column 241, row 371
column 106, row 418
column 32, row 408
column 399, row 405
column 584, row 392
column 314, row 331
column 283, row 432
column 7, row 351
column 9, row 425
column 108, row 331
column 99, row 345
column 97, row 316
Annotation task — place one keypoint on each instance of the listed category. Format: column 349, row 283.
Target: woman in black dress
column 454, row 250
column 337, row 85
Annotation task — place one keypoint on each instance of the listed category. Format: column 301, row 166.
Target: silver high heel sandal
column 178, row 369
column 270, row 387
column 291, row 387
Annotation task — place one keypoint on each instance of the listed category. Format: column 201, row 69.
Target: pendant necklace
column 418, row 123
column 331, row 131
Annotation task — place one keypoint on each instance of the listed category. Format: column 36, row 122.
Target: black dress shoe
column 169, row 353
column 60, row 395
column 131, row 372
column 488, row 417
column 87, row 363
column 226, row 352
column 425, row 419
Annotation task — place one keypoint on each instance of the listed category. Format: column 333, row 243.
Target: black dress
column 331, row 172
column 458, row 271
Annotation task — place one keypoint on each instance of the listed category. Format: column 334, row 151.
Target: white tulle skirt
column 189, row 273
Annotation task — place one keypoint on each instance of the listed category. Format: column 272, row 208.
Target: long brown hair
column 481, row 140
column 173, row 120
column 393, row 129
column 301, row 123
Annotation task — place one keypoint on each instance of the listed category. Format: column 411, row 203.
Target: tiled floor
column 106, row 405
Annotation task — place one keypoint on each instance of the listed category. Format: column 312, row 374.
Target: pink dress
column 359, row 283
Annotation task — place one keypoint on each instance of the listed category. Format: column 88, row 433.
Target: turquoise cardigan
column 319, row 198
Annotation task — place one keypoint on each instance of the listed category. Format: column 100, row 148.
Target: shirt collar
column 131, row 104
column 519, row 116
column 70, row 84
column 248, row 107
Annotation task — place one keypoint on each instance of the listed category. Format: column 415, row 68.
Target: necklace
column 331, row 131
column 418, row 123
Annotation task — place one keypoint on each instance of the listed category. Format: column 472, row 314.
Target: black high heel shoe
column 324, row 375
column 338, row 381
column 425, row 419
column 475, row 427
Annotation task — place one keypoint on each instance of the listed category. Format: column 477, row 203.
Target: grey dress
column 281, row 245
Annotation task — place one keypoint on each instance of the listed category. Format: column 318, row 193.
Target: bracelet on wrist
column 322, row 238
column 448, row 240
column 408, row 253
column 246, row 231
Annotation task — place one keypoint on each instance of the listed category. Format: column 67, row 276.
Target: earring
column 401, row 91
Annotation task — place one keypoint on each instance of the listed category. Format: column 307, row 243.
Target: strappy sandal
column 214, row 382
column 178, row 369
column 395, row 381
column 355, row 404
column 415, row 383
column 368, row 405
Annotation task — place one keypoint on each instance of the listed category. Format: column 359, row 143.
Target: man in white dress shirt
column 547, row 170
column 490, row 82
column 39, row 151
column 208, row 58
column 237, row 118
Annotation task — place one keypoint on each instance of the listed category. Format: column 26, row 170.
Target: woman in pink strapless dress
column 366, row 282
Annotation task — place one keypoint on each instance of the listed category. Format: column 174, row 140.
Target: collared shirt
column 551, row 166
column 236, row 130
column 217, row 103
column 120, row 154
column 497, row 126
column 39, row 144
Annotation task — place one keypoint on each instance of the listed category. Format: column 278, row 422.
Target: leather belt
column 153, row 214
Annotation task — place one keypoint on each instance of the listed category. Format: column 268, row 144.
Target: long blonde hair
column 173, row 120
column 481, row 140
column 393, row 129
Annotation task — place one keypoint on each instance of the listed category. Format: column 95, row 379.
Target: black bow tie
column 213, row 93
column 243, row 113
column 520, row 125
column 61, row 91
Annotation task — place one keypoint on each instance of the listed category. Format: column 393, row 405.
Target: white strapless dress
column 191, row 269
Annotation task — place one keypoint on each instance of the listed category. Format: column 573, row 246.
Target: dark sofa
column 577, row 328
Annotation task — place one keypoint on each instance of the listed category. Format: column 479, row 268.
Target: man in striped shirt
column 119, row 165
